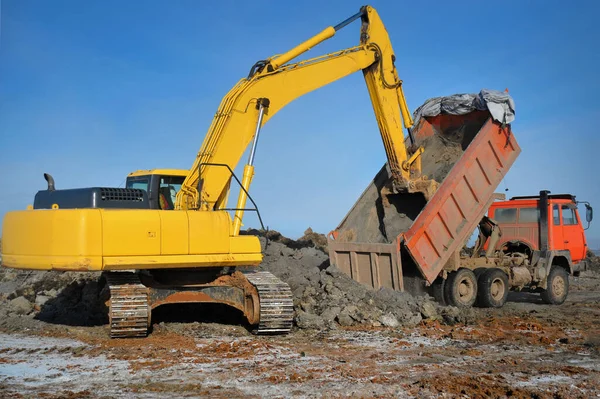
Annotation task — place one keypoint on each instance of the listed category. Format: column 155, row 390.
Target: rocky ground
column 348, row 341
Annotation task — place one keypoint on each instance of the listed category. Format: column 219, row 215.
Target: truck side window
column 505, row 215
column 568, row 216
column 555, row 215
column 529, row 215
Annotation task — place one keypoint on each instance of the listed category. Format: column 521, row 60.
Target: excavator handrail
column 255, row 209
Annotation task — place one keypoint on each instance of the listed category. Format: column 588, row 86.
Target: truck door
column 567, row 233
column 572, row 232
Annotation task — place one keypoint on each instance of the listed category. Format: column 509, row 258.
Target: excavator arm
column 274, row 83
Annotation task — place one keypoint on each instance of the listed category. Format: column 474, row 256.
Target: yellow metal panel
column 73, row 239
column 245, row 245
column 179, row 261
column 61, row 239
column 131, row 232
column 208, row 232
column 174, row 232
column 53, row 262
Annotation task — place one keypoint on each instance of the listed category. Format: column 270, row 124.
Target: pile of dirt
column 65, row 298
column 593, row 262
column 324, row 297
column 309, row 239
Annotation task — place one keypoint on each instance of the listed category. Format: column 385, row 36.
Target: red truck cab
column 542, row 223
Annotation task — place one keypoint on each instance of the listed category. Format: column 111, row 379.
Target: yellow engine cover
column 118, row 239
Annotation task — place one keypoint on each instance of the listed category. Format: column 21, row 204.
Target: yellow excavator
column 169, row 236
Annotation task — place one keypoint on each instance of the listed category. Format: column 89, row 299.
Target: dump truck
column 170, row 237
column 405, row 242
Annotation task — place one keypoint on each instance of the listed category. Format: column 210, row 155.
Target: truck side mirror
column 589, row 213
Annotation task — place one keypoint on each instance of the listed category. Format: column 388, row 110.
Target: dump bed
column 387, row 235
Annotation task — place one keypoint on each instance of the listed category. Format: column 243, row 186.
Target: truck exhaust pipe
column 50, row 181
column 543, row 204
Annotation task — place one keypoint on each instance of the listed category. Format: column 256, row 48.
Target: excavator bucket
column 401, row 240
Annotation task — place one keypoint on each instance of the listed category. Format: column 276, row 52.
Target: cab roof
column 162, row 172
column 533, row 200
column 551, row 196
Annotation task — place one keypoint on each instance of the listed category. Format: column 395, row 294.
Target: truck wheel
column 438, row 290
column 460, row 289
column 479, row 271
column 558, row 286
column 492, row 288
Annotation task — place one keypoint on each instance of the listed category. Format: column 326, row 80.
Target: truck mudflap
column 581, row 266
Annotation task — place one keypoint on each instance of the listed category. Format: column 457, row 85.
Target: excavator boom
column 274, row 83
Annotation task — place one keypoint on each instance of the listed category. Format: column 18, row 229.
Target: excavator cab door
column 161, row 189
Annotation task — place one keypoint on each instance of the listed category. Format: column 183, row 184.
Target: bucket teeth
column 276, row 305
column 129, row 305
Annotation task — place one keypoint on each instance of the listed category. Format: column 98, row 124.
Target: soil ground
column 524, row 350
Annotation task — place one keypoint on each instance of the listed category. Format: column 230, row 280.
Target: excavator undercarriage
column 264, row 300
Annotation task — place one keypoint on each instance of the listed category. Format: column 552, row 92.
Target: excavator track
column 276, row 305
column 129, row 305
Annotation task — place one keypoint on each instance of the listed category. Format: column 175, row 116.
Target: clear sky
column 91, row 90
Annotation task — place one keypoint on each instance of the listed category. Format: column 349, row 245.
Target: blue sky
column 90, row 91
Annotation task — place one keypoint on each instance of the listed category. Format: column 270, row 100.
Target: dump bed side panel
column 462, row 199
column 375, row 265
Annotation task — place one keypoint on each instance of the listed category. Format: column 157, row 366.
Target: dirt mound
column 324, row 297
column 309, row 239
column 66, row 298
column 593, row 262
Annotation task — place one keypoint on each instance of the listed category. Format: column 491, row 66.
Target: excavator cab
column 161, row 185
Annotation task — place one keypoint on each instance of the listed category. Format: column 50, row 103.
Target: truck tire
column 479, row 271
column 492, row 288
column 437, row 289
column 460, row 289
column 557, row 288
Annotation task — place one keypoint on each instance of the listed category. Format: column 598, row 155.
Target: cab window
column 174, row 182
column 529, row 215
column 168, row 188
column 568, row 216
column 555, row 215
column 505, row 215
column 140, row 184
